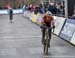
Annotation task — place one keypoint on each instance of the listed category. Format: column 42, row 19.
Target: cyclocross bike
column 46, row 41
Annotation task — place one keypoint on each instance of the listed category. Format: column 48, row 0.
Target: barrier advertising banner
column 17, row 11
column 25, row 13
column 59, row 21
column 73, row 39
column 28, row 14
column 31, row 15
column 68, row 29
column 3, row 11
column 14, row 11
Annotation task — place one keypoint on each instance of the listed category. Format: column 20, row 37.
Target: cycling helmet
column 48, row 13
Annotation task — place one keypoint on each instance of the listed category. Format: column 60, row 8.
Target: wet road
column 22, row 39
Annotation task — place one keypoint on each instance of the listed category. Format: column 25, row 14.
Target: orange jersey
column 48, row 19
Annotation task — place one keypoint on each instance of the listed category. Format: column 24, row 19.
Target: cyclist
column 47, row 21
column 11, row 15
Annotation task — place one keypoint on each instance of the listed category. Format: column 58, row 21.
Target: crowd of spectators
column 55, row 8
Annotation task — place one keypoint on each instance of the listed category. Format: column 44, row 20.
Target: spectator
column 73, row 17
column 41, row 8
column 10, row 15
column 32, row 7
column 36, row 10
column 53, row 9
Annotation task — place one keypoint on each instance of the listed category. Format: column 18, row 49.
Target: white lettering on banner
column 14, row 11
column 3, row 11
column 17, row 11
column 68, row 29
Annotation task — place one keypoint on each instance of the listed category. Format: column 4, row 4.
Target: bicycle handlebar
column 46, row 27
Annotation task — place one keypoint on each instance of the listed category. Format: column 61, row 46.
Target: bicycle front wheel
column 45, row 48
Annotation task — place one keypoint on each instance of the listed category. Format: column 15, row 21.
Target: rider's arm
column 42, row 21
column 53, row 23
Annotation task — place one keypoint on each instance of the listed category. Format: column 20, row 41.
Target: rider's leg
column 49, row 37
column 43, row 35
column 11, row 18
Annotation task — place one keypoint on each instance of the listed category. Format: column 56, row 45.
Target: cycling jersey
column 48, row 21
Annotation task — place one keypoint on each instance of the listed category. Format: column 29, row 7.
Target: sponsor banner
column 14, row 11
column 68, row 29
column 25, row 13
column 17, row 11
column 3, row 11
column 73, row 39
column 29, row 14
column 59, row 21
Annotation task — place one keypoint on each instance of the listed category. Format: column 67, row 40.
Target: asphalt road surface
column 22, row 39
